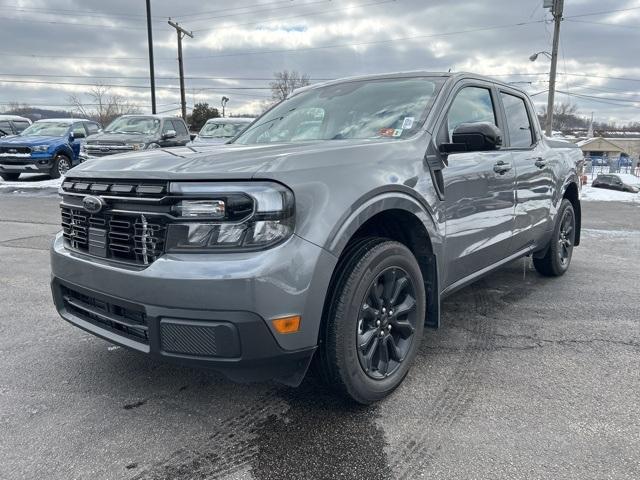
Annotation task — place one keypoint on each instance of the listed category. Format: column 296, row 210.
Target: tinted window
column 20, row 125
column 92, row 128
column 471, row 105
column 168, row 125
column 518, row 123
column 180, row 129
column 5, row 129
column 78, row 128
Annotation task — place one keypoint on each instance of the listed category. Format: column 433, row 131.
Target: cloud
column 238, row 47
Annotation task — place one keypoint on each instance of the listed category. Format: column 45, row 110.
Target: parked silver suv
column 329, row 230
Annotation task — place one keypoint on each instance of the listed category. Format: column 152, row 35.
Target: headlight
column 139, row 146
column 242, row 216
column 40, row 148
column 152, row 146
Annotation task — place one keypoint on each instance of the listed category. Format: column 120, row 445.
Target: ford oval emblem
column 93, row 204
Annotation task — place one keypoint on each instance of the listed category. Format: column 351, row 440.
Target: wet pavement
column 527, row 378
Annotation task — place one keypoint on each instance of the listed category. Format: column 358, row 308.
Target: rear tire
column 61, row 165
column 368, row 348
column 558, row 257
column 10, row 177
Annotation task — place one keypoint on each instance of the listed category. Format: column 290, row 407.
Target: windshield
column 222, row 130
column 134, row 125
column 47, row 129
column 387, row 108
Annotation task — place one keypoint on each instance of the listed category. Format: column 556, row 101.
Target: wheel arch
column 572, row 193
column 398, row 217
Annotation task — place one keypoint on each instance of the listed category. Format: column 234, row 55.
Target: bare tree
column 103, row 106
column 286, row 82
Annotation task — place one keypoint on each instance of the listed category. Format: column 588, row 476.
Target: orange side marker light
column 287, row 324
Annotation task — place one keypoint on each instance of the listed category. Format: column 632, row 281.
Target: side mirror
column 169, row 134
column 474, row 137
column 76, row 135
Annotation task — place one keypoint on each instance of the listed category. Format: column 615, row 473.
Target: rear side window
column 518, row 122
column 471, row 105
column 180, row 129
column 5, row 129
column 20, row 125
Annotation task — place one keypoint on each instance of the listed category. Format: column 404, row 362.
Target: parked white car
column 12, row 124
column 220, row 130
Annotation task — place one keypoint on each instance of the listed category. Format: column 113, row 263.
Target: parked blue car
column 48, row 146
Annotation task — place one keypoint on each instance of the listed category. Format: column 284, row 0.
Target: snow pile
column 31, row 183
column 590, row 194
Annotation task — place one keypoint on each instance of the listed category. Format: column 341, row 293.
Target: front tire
column 558, row 257
column 61, row 165
column 375, row 321
column 10, row 177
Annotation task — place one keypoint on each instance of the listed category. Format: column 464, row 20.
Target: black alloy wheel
column 387, row 324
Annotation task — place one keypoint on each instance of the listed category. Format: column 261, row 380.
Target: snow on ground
column 590, row 194
column 30, row 182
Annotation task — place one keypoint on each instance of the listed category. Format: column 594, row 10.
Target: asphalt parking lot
column 528, row 378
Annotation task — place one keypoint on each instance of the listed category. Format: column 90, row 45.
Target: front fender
column 377, row 202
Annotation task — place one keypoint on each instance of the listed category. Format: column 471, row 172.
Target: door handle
column 501, row 167
column 540, row 162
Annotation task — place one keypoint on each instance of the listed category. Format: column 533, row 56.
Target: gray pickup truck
column 328, row 232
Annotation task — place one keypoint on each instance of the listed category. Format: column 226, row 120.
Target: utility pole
column 556, row 10
column 181, row 33
column 151, row 67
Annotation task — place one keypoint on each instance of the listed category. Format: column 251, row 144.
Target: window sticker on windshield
column 397, row 132
column 386, row 132
column 408, row 123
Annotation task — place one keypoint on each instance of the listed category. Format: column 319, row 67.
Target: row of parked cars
column 54, row 146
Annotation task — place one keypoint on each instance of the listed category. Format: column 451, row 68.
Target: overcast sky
column 239, row 45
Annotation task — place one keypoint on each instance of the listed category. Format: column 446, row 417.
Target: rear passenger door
column 478, row 200
column 532, row 161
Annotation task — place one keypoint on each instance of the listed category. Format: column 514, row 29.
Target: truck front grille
column 133, row 238
column 15, row 150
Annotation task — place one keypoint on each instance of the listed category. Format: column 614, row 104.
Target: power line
column 125, row 77
column 75, row 24
column 116, row 85
column 375, row 42
column 305, row 15
column 231, row 9
column 632, row 27
column 256, row 11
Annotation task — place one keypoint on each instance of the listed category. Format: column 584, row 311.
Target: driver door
column 79, row 135
column 479, row 189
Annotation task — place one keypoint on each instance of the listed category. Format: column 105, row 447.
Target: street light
column 534, row 57
column 224, row 104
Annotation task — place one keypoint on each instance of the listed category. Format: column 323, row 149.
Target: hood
column 125, row 138
column 30, row 141
column 231, row 161
column 199, row 141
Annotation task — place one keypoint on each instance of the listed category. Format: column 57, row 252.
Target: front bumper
column 25, row 165
column 209, row 310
